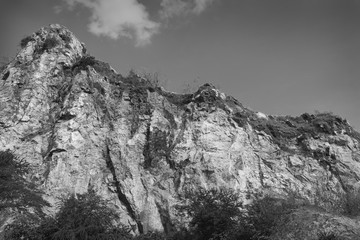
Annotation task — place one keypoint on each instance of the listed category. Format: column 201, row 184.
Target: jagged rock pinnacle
column 54, row 39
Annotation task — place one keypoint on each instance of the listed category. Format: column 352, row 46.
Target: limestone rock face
column 82, row 125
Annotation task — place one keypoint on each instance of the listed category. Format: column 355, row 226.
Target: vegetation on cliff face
column 282, row 129
column 219, row 219
column 285, row 130
column 53, row 39
column 213, row 213
column 158, row 144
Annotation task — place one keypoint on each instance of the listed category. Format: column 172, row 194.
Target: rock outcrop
column 82, row 125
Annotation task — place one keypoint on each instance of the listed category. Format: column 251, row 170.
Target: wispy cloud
column 201, row 5
column 173, row 8
column 129, row 18
column 119, row 18
column 176, row 8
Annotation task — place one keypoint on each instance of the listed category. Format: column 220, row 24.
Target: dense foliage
column 220, row 215
column 81, row 217
column 214, row 214
column 266, row 214
column 16, row 192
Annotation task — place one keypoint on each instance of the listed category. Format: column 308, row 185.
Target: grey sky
column 275, row 56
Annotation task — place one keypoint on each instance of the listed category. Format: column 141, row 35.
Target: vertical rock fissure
column 165, row 218
column 180, row 134
column 47, row 155
column 146, row 150
column 336, row 174
column 54, row 115
column 261, row 173
column 120, row 194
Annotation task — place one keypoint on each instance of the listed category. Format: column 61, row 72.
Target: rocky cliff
column 82, row 125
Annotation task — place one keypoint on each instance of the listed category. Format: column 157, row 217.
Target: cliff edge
column 80, row 125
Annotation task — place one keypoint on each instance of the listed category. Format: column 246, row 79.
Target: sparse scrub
column 66, row 38
column 49, row 43
column 138, row 94
column 83, row 62
column 140, row 106
column 102, row 68
column 190, row 87
column 157, row 146
column 154, row 79
column 283, row 129
column 25, row 41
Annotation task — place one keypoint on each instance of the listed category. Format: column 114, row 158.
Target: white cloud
column 119, row 18
column 57, row 9
column 129, row 18
column 172, row 8
column 175, row 8
column 201, row 5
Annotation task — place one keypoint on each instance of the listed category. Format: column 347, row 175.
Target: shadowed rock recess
column 81, row 125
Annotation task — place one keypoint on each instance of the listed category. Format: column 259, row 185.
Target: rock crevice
column 122, row 197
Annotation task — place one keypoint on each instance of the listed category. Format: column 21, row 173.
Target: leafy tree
column 217, row 214
column 87, row 216
column 266, row 214
column 81, row 217
column 16, row 192
column 214, row 213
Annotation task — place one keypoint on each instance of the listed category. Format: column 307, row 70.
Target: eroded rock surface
column 82, row 125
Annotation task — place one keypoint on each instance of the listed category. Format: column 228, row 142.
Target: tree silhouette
column 80, row 217
column 87, row 216
column 213, row 212
column 16, row 192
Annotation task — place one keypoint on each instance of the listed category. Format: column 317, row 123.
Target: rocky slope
column 82, row 125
